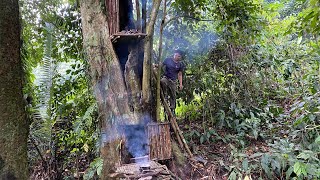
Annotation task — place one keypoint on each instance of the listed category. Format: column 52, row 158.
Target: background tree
column 13, row 122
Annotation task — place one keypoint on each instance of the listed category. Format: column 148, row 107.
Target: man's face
column 177, row 57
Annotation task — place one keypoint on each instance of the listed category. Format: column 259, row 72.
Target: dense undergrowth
column 275, row 104
column 263, row 90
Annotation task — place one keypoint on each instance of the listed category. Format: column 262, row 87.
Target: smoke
column 136, row 137
column 136, row 140
column 192, row 37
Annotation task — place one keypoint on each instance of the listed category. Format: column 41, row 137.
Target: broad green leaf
column 300, row 168
column 276, row 165
column 245, row 164
column 265, row 165
column 86, row 147
column 233, row 176
column 255, row 155
column 304, row 155
column 99, row 169
column 202, row 139
column 317, row 141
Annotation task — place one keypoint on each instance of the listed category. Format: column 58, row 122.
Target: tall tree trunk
column 13, row 123
column 107, row 81
column 158, row 107
column 148, row 47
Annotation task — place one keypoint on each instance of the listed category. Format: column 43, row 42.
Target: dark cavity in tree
column 123, row 49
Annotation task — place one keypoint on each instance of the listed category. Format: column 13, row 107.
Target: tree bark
column 118, row 92
column 107, row 81
column 148, row 47
column 13, row 123
column 158, row 107
column 144, row 15
column 138, row 16
column 132, row 79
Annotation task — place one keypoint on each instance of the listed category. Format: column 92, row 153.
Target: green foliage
column 76, row 110
column 52, row 39
column 259, row 83
column 239, row 20
column 95, row 168
column 193, row 8
column 262, row 85
column 308, row 19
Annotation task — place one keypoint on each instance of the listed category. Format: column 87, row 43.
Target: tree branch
column 186, row 16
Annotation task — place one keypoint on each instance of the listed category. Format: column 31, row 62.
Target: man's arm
column 180, row 80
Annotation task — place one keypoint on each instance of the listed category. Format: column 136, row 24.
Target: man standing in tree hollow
column 173, row 68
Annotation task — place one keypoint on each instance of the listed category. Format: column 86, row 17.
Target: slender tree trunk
column 148, row 47
column 13, row 123
column 107, row 80
column 158, row 107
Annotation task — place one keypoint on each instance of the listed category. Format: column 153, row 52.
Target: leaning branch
column 182, row 142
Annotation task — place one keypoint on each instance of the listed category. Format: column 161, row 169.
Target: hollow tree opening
column 128, row 45
column 122, row 51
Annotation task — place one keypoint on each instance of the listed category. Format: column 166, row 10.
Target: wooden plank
column 160, row 141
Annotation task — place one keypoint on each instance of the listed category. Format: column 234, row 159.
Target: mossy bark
column 13, row 123
column 107, row 81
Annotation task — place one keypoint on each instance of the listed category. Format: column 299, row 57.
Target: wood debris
column 134, row 171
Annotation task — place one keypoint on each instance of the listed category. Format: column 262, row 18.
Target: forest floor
column 212, row 159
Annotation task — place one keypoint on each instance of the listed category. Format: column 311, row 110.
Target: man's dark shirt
column 172, row 68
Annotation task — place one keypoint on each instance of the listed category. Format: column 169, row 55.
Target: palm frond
column 45, row 77
column 41, row 128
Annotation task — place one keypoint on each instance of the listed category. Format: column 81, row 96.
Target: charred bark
column 13, row 122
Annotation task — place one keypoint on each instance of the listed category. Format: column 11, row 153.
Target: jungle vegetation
column 251, row 99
